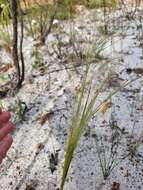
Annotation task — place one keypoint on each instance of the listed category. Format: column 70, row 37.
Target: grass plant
column 85, row 108
column 108, row 153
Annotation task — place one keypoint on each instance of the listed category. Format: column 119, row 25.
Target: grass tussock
column 85, row 108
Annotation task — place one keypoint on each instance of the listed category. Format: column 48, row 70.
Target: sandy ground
column 39, row 138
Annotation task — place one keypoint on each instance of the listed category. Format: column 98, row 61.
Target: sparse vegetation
column 61, row 63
